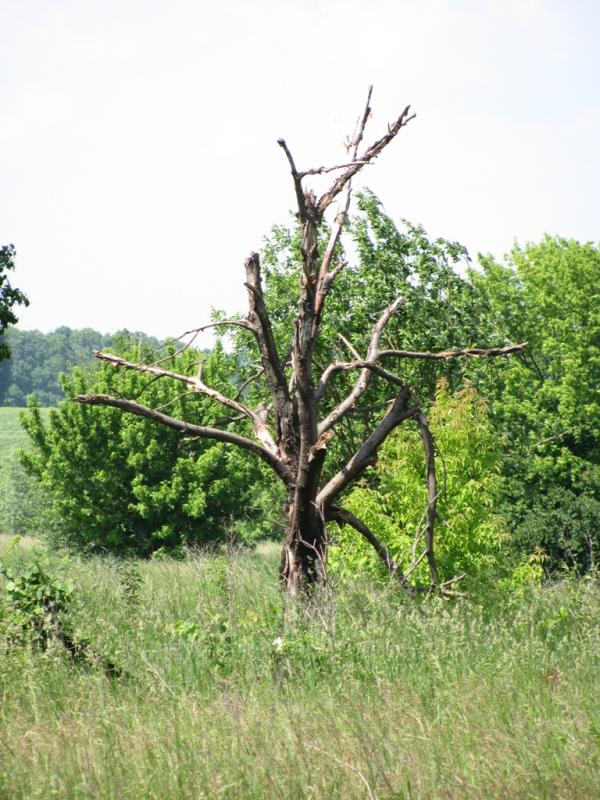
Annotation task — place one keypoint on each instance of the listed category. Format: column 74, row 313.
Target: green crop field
column 12, row 435
column 13, row 481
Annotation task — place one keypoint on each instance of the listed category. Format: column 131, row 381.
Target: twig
column 323, row 170
column 345, row 764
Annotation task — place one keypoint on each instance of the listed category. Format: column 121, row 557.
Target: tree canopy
column 117, row 483
column 547, row 401
column 392, row 495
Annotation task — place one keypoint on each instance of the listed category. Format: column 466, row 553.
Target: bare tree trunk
column 304, row 548
column 293, row 441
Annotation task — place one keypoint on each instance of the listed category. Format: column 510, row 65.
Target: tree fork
column 296, row 445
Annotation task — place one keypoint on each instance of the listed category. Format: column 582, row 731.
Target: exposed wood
column 260, row 322
column 363, row 380
column 369, row 155
column 297, row 443
column 371, row 364
column 197, row 385
column 444, row 355
column 326, row 277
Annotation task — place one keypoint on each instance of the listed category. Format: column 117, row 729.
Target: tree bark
column 294, row 441
column 305, row 545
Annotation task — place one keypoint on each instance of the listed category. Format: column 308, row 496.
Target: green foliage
column 440, row 309
column 38, row 359
column 9, row 296
column 121, row 484
column 547, row 401
column 565, row 527
column 392, row 501
column 37, row 600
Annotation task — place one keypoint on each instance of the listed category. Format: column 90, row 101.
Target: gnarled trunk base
column 304, row 552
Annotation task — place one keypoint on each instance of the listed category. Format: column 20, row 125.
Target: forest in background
column 37, row 359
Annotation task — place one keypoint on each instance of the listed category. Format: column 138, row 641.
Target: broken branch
column 261, row 325
column 297, row 178
column 196, row 385
column 361, row 385
column 432, row 492
column 367, row 452
column 189, row 428
column 347, row 517
column 369, row 155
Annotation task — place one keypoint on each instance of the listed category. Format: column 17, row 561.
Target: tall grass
column 364, row 695
column 19, row 494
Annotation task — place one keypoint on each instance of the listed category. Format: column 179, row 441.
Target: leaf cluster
column 470, row 535
column 440, row 308
column 37, row 600
column 119, row 483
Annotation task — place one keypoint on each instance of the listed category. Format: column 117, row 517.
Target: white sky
column 138, row 155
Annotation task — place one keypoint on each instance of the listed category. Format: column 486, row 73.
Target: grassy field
column 14, row 497
column 366, row 696
column 12, row 435
column 12, row 439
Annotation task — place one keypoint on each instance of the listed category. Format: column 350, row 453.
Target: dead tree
column 295, row 443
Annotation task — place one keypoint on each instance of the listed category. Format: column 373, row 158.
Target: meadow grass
column 17, row 490
column 227, row 693
column 12, row 435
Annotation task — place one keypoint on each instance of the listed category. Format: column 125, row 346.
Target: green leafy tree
column 120, row 484
column 547, row 401
column 9, row 296
column 392, row 259
column 471, row 537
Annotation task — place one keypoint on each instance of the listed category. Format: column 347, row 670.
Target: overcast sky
column 138, row 155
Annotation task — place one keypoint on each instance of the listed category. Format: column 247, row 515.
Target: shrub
column 470, row 536
column 120, row 483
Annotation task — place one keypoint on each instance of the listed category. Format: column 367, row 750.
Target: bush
column 565, row 527
column 121, row 484
column 470, row 536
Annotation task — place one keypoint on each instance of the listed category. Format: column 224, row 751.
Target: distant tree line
column 37, row 359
